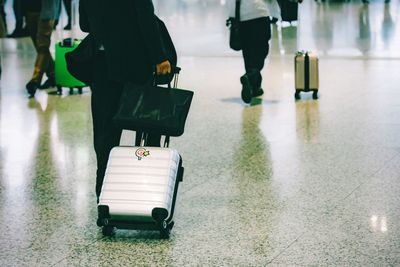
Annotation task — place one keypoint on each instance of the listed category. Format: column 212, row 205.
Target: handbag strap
column 237, row 11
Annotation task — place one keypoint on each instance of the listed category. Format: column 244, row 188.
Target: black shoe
column 18, row 33
column 246, row 89
column 258, row 92
column 68, row 26
column 55, row 24
column 49, row 83
column 273, row 20
column 31, row 87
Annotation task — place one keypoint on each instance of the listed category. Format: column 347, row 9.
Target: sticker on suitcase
column 142, row 152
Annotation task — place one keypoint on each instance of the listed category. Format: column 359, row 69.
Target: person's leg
column 44, row 61
column 32, row 21
column 105, row 102
column 68, row 9
column 3, row 18
column 255, row 36
column 19, row 19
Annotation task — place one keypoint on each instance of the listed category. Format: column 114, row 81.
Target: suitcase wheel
column 165, row 229
column 315, row 94
column 297, row 95
column 108, row 230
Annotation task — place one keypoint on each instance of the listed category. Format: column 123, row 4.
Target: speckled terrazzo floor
column 277, row 183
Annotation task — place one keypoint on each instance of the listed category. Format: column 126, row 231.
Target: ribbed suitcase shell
column 133, row 187
column 300, row 79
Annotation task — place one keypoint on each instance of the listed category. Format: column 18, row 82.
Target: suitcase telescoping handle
column 307, row 71
column 176, row 71
column 144, row 136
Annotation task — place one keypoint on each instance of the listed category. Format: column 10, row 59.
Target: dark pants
column 255, row 35
column 40, row 32
column 19, row 14
column 44, row 61
column 106, row 96
column 105, row 100
column 68, row 8
column 3, row 19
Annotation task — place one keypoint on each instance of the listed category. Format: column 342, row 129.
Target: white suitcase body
column 139, row 188
column 306, row 73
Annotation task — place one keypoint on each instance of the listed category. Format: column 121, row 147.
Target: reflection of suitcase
column 140, row 189
column 306, row 73
column 63, row 77
column 289, row 10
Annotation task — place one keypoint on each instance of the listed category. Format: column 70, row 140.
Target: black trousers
column 105, row 100
column 255, row 35
column 68, row 9
column 18, row 8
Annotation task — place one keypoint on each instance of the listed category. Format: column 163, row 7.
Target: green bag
column 63, row 77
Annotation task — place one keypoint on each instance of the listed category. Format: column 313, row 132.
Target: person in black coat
column 128, row 48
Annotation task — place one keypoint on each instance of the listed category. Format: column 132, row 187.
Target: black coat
column 129, row 32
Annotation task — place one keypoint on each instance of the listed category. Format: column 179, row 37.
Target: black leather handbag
column 235, row 41
column 154, row 109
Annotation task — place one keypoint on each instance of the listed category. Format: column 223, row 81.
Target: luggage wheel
column 315, row 94
column 297, row 95
column 108, row 230
column 165, row 229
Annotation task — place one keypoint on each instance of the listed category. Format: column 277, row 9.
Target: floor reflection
column 252, row 175
column 388, row 28
column 308, row 121
column 364, row 40
column 253, row 159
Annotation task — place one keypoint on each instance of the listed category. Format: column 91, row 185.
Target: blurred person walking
column 41, row 16
column 255, row 33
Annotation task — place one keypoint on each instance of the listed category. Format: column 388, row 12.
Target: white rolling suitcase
column 140, row 189
column 140, row 185
column 306, row 74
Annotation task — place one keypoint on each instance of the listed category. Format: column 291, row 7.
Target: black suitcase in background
column 289, row 10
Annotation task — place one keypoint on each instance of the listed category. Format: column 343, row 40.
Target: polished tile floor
column 277, row 183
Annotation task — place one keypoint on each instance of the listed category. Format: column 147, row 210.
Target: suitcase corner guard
column 159, row 214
